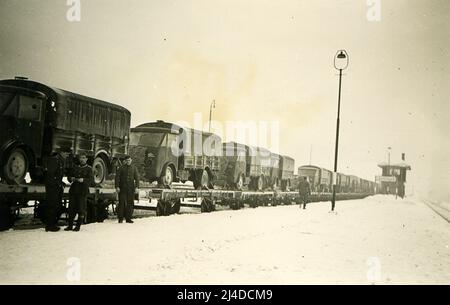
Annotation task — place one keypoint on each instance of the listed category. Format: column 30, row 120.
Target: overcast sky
column 261, row 61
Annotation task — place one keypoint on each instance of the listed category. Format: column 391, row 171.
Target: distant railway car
column 354, row 184
column 313, row 175
column 37, row 121
column 169, row 153
column 345, row 183
column 339, row 182
column 367, row 186
column 319, row 178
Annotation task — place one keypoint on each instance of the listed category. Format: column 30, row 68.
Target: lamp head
column 341, row 55
column 341, row 60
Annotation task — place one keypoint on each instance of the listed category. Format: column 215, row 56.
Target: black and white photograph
column 202, row 143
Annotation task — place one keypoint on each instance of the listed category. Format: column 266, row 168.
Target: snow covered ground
column 375, row 240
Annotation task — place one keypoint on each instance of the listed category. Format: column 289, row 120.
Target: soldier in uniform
column 81, row 177
column 55, row 170
column 127, row 185
column 304, row 191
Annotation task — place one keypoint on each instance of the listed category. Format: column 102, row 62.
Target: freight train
column 37, row 121
column 321, row 180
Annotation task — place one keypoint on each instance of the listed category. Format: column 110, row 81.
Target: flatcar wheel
column 212, row 205
column 204, row 206
column 176, row 207
column 6, row 217
column 159, row 208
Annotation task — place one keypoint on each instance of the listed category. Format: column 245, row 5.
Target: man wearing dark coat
column 82, row 178
column 127, row 185
column 55, row 171
column 304, row 191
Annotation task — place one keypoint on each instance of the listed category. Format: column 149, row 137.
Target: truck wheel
column 167, row 176
column 201, row 179
column 176, row 207
column 160, row 208
column 260, row 183
column 240, row 182
column 205, row 206
column 275, row 184
column 100, row 170
column 16, row 166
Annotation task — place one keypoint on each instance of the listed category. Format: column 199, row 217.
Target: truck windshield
column 6, row 99
column 146, row 139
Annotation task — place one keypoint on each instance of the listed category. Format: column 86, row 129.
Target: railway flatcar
column 170, row 153
column 37, row 121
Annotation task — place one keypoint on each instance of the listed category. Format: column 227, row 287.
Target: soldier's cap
column 126, row 157
column 82, row 154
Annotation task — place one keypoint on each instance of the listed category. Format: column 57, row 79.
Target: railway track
column 439, row 209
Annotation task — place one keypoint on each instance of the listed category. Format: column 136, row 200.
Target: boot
column 70, row 226
column 53, row 228
column 78, row 226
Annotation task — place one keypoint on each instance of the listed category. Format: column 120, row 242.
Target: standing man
column 304, row 191
column 55, row 170
column 81, row 178
column 127, row 185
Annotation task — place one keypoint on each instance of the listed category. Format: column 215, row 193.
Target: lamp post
column 213, row 105
column 340, row 63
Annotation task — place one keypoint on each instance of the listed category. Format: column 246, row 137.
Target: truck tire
column 239, row 185
column 202, row 179
column 100, row 170
column 16, row 166
column 167, row 176
column 260, row 183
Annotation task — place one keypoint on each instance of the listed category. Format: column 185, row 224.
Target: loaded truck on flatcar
column 287, row 168
column 319, row 178
column 37, row 121
column 168, row 153
column 233, row 166
column 256, row 167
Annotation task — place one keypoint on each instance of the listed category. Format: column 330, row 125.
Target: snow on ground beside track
column 375, row 240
